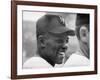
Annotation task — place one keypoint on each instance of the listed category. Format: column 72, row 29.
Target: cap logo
column 61, row 20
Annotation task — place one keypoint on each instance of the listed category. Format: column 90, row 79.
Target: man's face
column 55, row 47
column 84, row 40
column 84, row 35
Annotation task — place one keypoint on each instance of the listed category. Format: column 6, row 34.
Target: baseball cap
column 54, row 24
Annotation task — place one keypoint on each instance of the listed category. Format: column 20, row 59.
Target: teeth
column 62, row 53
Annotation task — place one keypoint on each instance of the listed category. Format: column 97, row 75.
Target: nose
column 64, row 47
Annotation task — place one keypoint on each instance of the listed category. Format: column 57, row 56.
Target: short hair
column 82, row 19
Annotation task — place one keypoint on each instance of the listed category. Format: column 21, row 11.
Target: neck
column 48, row 60
column 42, row 55
column 85, row 50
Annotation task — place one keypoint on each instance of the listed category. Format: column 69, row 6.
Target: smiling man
column 52, row 36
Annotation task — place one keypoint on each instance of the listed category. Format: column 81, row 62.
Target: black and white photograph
column 53, row 40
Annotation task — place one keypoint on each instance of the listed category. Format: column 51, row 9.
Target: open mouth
column 60, row 57
column 61, row 52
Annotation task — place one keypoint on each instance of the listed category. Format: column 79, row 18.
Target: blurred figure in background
column 52, row 35
column 82, row 56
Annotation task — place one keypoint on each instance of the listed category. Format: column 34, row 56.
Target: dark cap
column 53, row 24
column 82, row 19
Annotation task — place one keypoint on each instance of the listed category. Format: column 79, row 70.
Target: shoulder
column 77, row 60
column 36, row 62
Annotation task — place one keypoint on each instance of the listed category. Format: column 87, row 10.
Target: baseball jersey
column 36, row 62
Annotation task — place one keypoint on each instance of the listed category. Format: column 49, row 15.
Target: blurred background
column 29, row 43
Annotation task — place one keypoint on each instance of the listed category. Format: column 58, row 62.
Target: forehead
column 84, row 27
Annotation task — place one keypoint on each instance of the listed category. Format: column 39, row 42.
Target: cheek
column 51, row 49
column 51, row 46
column 88, row 39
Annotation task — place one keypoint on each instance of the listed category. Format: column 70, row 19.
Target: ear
column 41, row 40
column 84, row 34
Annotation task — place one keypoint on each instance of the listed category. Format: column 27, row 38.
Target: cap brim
column 71, row 33
column 63, row 30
